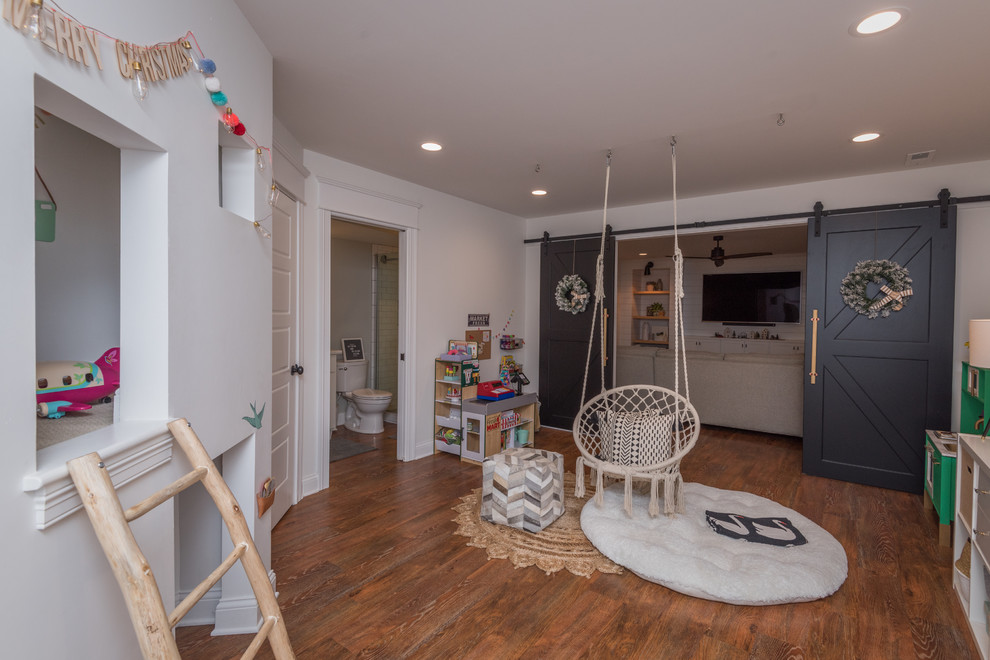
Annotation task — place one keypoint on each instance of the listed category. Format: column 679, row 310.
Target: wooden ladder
column 144, row 601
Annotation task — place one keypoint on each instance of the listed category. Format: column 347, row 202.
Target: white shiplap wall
column 630, row 277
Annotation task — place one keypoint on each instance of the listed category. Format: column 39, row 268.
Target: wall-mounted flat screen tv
column 752, row 297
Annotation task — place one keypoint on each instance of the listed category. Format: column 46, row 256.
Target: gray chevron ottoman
column 523, row 488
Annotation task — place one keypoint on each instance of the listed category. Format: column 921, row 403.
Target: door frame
column 368, row 207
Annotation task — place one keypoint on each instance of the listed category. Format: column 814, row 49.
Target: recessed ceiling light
column 878, row 22
column 642, row 254
column 866, row 137
column 431, row 146
column 539, row 193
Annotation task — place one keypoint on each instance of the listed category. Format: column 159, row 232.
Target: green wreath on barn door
column 572, row 294
column 895, row 287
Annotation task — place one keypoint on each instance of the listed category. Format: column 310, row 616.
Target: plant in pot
column 656, row 309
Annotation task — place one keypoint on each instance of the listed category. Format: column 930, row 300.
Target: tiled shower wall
column 385, row 292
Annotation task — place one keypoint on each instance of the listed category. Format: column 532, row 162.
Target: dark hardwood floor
column 371, row 567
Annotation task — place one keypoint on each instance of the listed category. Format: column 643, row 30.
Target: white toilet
column 365, row 406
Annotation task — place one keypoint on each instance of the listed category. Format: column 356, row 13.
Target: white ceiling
column 506, row 85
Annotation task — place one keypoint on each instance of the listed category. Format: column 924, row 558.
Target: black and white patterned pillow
column 636, row 438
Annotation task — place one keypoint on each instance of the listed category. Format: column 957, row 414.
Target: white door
column 284, row 390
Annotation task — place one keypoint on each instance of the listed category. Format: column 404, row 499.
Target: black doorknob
column 296, row 369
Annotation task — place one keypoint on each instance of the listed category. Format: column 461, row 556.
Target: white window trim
column 130, row 450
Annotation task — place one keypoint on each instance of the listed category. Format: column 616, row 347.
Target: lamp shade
column 979, row 343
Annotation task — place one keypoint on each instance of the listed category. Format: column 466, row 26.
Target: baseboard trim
column 237, row 616
column 202, row 613
column 310, row 485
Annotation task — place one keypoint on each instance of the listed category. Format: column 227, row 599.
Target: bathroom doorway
column 362, row 209
column 364, row 303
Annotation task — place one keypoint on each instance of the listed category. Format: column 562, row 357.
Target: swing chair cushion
column 636, row 426
column 636, row 432
column 636, row 438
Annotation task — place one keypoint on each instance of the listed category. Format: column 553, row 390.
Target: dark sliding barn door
column 564, row 336
column 880, row 382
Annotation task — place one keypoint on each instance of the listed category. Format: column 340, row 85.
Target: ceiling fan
column 718, row 255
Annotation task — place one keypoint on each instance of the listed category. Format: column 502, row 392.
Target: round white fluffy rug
column 684, row 552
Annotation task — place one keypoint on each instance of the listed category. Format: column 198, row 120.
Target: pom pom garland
column 233, row 123
column 193, row 56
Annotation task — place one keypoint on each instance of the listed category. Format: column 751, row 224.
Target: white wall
column 201, row 300
column 77, row 276
column 467, row 259
column 287, row 161
column 972, row 267
column 350, row 302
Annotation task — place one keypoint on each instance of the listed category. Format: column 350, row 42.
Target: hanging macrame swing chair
column 638, row 433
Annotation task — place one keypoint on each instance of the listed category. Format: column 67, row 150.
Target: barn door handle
column 814, row 346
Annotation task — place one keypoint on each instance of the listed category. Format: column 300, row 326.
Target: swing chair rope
column 599, row 290
column 680, row 349
column 610, row 428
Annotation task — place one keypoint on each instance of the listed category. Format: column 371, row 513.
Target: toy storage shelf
column 454, row 382
column 972, row 517
column 485, row 434
column 941, row 448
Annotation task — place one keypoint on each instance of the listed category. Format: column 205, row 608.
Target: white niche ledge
column 129, row 450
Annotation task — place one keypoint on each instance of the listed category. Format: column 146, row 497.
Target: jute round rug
column 561, row 545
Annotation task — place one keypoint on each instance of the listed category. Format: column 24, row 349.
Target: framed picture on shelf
column 660, row 335
column 353, row 349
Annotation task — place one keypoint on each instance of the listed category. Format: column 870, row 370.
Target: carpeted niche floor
column 53, row 431
column 728, row 546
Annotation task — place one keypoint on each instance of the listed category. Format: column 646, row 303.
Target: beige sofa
column 758, row 392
